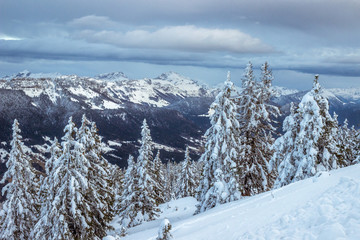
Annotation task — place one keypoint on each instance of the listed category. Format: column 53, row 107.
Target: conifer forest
column 79, row 194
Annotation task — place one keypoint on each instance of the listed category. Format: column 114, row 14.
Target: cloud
column 92, row 22
column 8, row 38
column 184, row 38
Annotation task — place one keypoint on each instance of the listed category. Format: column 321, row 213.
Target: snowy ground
column 323, row 207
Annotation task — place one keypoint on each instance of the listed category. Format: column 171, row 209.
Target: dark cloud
column 319, row 36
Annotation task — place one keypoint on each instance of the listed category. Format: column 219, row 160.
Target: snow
column 326, row 206
column 111, row 105
column 163, row 147
column 113, row 143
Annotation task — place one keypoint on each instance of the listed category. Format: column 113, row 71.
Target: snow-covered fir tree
column 255, row 149
column 327, row 157
column 221, row 148
column 55, row 152
column 348, row 142
column 159, row 180
column 100, row 194
column 281, row 162
column 118, row 182
column 187, row 180
column 313, row 139
column 66, row 212
column 20, row 210
column 127, row 207
column 217, row 194
column 139, row 202
column 171, row 171
column 147, row 203
column 164, row 230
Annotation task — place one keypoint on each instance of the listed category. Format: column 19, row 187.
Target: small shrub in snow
column 164, row 230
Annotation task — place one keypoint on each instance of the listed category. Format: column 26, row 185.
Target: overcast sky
column 201, row 39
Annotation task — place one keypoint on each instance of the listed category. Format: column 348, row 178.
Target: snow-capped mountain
column 175, row 107
column 113, row 76
column 107, row 91
column 28, row 74
column 43, row 102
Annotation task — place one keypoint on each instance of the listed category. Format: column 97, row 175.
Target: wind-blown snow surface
column 323, row 207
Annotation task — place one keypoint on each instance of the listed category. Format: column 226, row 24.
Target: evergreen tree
column 327, row 157
column 55, row 152
column 255, row 149
column 187, row 180
column 217, row 194
column 282, row 161
column 139, row 202
column 313, row 140
column 128, row 206
column 348, row 143
column 221, row 147
column 100, row 195
column 19, row 212
column 118, row 183
column 148, row 208
column 158, row 175
column 164, row 230
column 66, row 213
column 171, row 180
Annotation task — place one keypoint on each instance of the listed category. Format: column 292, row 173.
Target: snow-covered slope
column 323, row 207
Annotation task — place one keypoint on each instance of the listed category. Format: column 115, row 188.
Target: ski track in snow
column 323, row 207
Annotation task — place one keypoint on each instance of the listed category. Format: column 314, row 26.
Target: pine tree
column 313, row 139
column 164, row 230
column 327, row 158
column 348, row 143
column 158, row 175
column 139, row 202
column 100, row 195
column 187, row 180
column 19, row 212
column 118, row 183
column 66, row 213
column 217, row 194
column 171, row 180
column 55, row 152
column 128, row 206
column 148, row 208
column 221, row 147
column 255, row 149
column 282, row 160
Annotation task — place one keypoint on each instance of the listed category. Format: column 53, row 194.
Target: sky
column 200, row 39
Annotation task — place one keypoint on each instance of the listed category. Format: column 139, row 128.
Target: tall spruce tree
column 187, row 180
column 313, row 138
column 255, row 149
column 158, row 175
column 100, row 194
column 148, row 207
column 282, row 161
column 221, row 148
column 171, row 171
column 19, row 212
column 139, row 200
column 348, row 143
column 66, row 213
column 55, row 152
column 128, row 207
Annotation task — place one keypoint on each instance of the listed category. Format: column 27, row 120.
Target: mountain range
column 176, row 108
